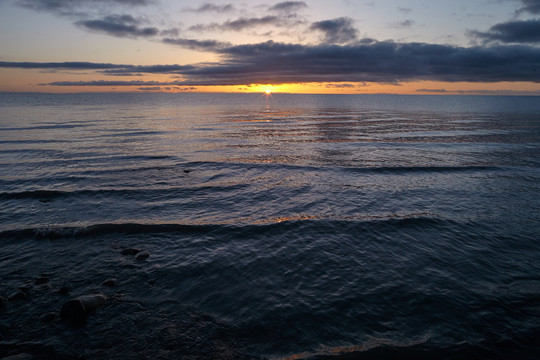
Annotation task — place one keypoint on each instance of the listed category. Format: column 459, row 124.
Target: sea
column 274, row 227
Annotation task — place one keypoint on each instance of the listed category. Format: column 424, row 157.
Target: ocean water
column 281, row 227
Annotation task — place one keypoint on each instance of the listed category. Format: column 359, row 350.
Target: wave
column 422, row 169
column 43, row 195
column 34, row 194
column 59, row 232
column 364, row 169
column 248, row 229
column 122, row 133
column 37, row 141
column 46, row 127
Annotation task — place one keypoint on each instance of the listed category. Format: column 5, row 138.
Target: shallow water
column 290, row 226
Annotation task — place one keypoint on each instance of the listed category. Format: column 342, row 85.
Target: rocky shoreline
column 47, row 318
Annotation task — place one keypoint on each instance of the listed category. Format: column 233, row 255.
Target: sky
column 318, row 46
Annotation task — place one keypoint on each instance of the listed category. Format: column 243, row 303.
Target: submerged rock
column 142, row 255
column 75, row 310
column 92, row 302
column 130, row 251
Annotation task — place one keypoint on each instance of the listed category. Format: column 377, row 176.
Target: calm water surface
column 290, row 226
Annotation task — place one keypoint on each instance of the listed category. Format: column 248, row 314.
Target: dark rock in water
column 48, row 317
column 74, row 311
column 109, row 282
column 92, row 302
column 18, row 295
column 3, row 301
column 187, row 171
column 130, row 251
column 41, row 280
column 142, row 255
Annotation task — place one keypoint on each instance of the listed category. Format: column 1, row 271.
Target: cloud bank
column 289, row 6
column 72, row 7
column 200, row 45
column 527, row 31
column 243, row 23
column 279, row 63
column 209, row 7
column 119, row 26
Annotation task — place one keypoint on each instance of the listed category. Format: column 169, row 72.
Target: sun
column 268, row 92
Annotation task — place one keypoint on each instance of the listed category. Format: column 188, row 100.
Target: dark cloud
column 246, row 23
column 157, row 69
column 436, row 91
column 344, row 86
column 119, row 25
column 278, row 63
column 105, row 68
column 60, row 65
column 209, row 7
column 336, row 31
column 113, row 83
column 531, row 6
column 201, row 45
column 150, row 88
column 288, row 6
column 69, row 7
column 138, row 70
column 389, row 62
column 170, row 32
column 527, row 31
column 245, row 52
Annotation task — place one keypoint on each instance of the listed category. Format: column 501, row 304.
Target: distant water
column 290, row 226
